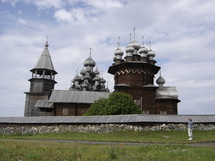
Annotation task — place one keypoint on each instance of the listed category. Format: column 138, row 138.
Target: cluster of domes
column 135, row 52
column 89, row 79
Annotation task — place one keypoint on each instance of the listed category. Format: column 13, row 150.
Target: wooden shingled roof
column 117, row 119
column 67, row 96
column 45, row 62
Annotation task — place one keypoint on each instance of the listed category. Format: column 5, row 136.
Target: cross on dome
column 90, row 51
column 134, row 33
column 142, row 40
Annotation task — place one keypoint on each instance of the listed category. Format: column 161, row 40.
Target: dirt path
column 126, row 143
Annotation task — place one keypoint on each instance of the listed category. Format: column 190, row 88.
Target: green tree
column 97, row 108
column 117, row 104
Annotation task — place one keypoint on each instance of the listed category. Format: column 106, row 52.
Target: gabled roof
column 45, row 62
column 68, row 96
column 44, row 104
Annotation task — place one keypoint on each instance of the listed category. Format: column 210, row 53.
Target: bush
column 117, row 104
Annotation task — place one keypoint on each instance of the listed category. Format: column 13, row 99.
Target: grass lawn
column 16, row 147
column 124, row 136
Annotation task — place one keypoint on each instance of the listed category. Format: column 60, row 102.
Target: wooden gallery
column 133, row 74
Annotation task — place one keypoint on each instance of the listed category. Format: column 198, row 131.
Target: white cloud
column 19, row 12
column 74, row 16
column 105, row 4
column 42, row 4
column 21, row 21
column 63, row 15
column 78, row 16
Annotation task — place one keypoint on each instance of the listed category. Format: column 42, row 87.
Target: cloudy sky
column 182, row 34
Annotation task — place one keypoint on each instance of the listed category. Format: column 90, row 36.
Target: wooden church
column 133, row 74
column 44, row 100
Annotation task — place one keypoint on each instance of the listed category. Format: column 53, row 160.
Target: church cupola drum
column 41, row 83
column 134, row 74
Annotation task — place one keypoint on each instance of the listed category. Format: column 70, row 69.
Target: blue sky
column 182, row 34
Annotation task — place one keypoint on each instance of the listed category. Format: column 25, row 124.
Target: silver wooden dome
column 160, row 80
column 118, row 51
column 143, row 49
column 134, row 44
column 89, row 62
column 129, row 49
column 151, row 53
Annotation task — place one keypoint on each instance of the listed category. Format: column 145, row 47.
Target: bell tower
column 41, row 83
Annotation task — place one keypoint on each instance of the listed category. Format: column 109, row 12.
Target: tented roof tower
column 42, row 81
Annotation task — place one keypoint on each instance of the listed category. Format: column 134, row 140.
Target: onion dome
column 160, row 80
column 143, row 49
column 118, row 51
column 102, row 80
column 107, row 89
column 151, row 53
column 87, row 76
column 114, row 58
column 96, row 72
column 96, row 78
column 89, row 62
column 83, row 72
column 134, row 44
column 84, row 85
column 77, row 78
column 165, row 92
column 129, row 49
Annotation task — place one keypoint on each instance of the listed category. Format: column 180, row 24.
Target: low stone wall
column 100, row 128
